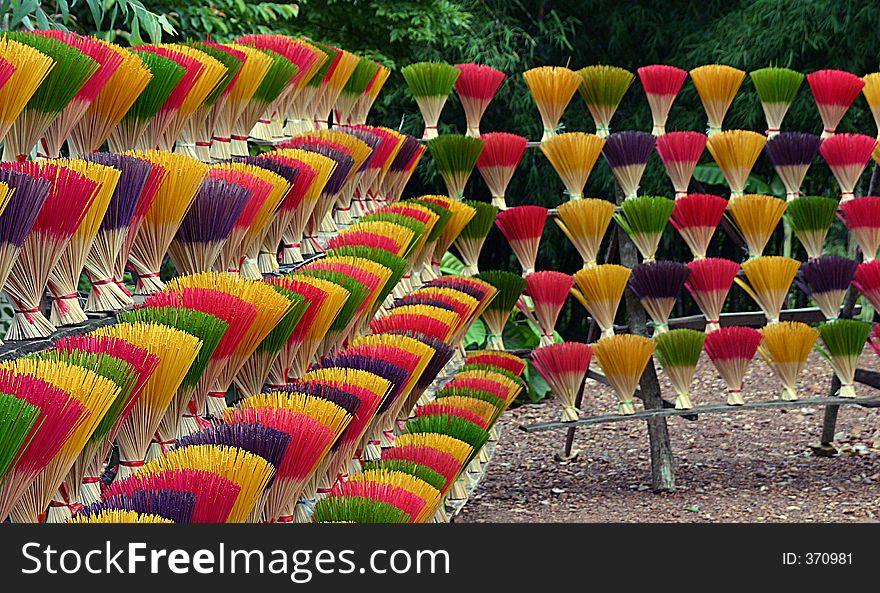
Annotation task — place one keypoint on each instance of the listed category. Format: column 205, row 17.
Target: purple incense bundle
column 657, row 286
column 825, row 280
column 173, row 505
column 792, row 153
column 207, row 225
column 259, row 439
column 393, row 181
column 421, row 299
column 627, row 153
column 442, row 355
column 345, row 400
column 28, row 196
column 392, row 373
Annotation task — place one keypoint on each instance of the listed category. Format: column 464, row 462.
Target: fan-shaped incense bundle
column 811, row 217
column 731, row 349
column 736, row 152
column 834, row 91
column 335, row 77
column 661, row 84
column 176, row 507
column 599, row 289
column 18, row 418
column 756, row 216
column 455, row 156
column 470, row 241
column 585, row 222
column 462, row 214
column 30, row 69
column 430, row 83
column 602, row 88
column 292, row 236
column 644, row 219
column 476, row 87
column 357, row 509
column 548, row 291
column 564, row 367
column 680, row 153
column 862, row 218
column 552, row 88
column 792, row 153
column 717, row 85
column 847, row 156
column 709, row 283
column 71, row 71
column 627, row 153
column 842, row 344
column 623, row 358
column 118, row 516
column 826, row 280
column 365, row 102
column 768, row 280
column 871, row 90
column 695, row 217
column 510, row 287
column 657, row 285
column 776, row 88
column 361, row 77
column 522, row 226
column 502, row 153
column 867, row 281
column 504, row 360
column 785, row 348
column 678, row 352
column 573, row 156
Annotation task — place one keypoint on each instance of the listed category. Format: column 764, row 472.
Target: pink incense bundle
column 408, row 502
column 847, row 156
column 680, row 153
column 502, row 153
column 548, row 291
column 437, row 407
column 69, row 199
column 476, row 87
column 662, row 84
column 442, row 462
column 862, row 218
column 709, row 283
column 502, row 360
column 867, row 281
column 405, row 321
column 695, row 217
column 731, row 349
column 834, row 92
column 365, row 238
column 564, row 367
column 523, row 226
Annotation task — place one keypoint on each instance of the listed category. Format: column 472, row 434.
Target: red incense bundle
column 847, row 156
column 502, row 153
column 661, row 84
column 564, row 367
column 731, row 349
column 695, row 217
column 548, row 291
column 476, row 87
column 680, row 153
column 522, row 227
column 709, row 283
column 862, row 218
column 834, row 91
column 867, row 280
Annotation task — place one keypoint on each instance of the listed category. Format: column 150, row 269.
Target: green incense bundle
column 844, row 340
column 443, row 216
column 357, row 294
column 71, row 71
column 355, row 86
column 454, row 426
column 233, row 67
column 430, row 83
column 777, row 88
column 810, row 217
column 644, row 219
column 455, row 156
column 17, row 418
column 469, row 242
column 678, row 352
column 490, row 398
column 357, row 509
column 392, row 261
column 422, row 472
column 416, row 226
column 478, row 366
column 510, row 287
column 602, row 88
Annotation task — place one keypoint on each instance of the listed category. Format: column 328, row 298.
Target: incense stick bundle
column 430, row 83
column 522, row 226
column 842, row 344
column 552, row 88
column 862, row 218
column 847, row 156
column 361, row 77
column 602, row 88
column 564, row 367
column 118, row 516
column 362, row 108
column 826, row 280
column 627, row 154
column 175, row 507
column 623, row 358
column 811, row 217
column 695, row 217
column 867, row 281
column 662, row 84
column 680, row 153
column 455, row 156
column 731, row 349
column 340, row 70
column 717, row 86
column 358, row 509
column 476, row 87
column 17, row 419
column 599, row 289
column 792, row 153
column 834, row 91
column 504, row 360
column 768, row 280
column 871, row 90
column 785, row 348
column 776, row 88
column 657, row 286
column 585, row 222
column 470, row 241
column 710, row 281
column 30, row 69
column 502, row 153
column 548, row 291
column 324, row 167
column 678, row 352
column 573, row 156
column 509, row 287
column 874, row 340
column 756, row 216
column 736, row 152
column 644, row 219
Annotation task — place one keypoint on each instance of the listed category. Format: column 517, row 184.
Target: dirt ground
column 739, row 467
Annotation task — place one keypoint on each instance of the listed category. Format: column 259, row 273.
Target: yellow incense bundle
column 399, row 479
column 585, row 222
column 717, row 85
column 623, row 358
column 767, row 281
column 118, row 516
column 31, row 68
column 599, row 289
column 756, row 216
column 573, row 156
column 552, row 88
column 785, row 348
column 736, row 152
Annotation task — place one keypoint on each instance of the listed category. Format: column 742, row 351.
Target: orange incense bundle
column 717, row 85
column 768, row 280
column 552, row 89
column 599, row 289
column 573, row 156
column 623, row 358
column 30, row 69
column 736, row 152
column 756, row 216
column 585, row 222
